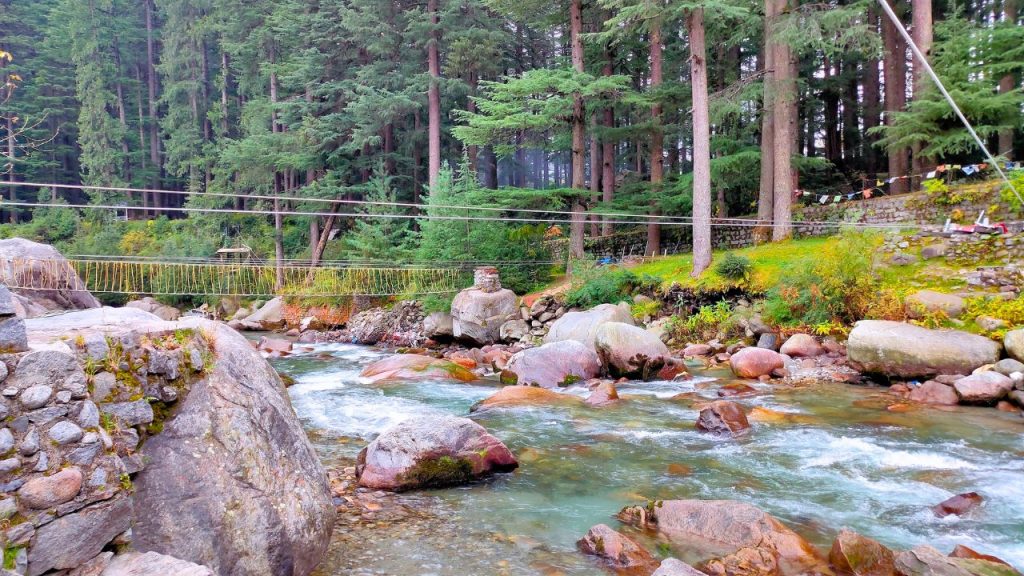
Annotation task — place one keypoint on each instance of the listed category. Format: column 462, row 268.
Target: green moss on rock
column 440, row 472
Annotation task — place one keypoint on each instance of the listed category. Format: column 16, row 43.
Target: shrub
column 707, row 323
column 593, row 285
column 734, row 267
column 836, row 285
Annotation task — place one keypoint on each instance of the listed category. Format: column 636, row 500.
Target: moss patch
column 440, row 472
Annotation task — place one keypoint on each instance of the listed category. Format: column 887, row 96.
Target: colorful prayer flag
column 970, row 169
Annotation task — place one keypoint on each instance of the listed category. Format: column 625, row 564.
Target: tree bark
column 701, row 144
column 595, row 176
column 766, row 192
column 784, row 100
column 433, row 99
column 1007, row 84
column 872, row 108
column 922, row 36
column 154, row 127
column 895, row 98
column 577, row 229
column 657, row 138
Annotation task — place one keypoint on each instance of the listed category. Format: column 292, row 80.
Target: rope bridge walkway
column 223, row 278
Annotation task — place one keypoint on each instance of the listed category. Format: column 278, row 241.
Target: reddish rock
column 962, row 551
column 467, row 363
column 524, row 396
column 959, row 505
column 755, row 362
column 497, row 358
column 552, row 365
column 616, row 549
column 859, row 555
column 983, row 388
column 927, row 561
column 932, row 392
column 900, row 389
column 672, row 369
column 743, row 562
column 724, row 418
column 677, row 469
column 802, row 346
column 415, row 367
column 45, row 492
column 604, row 395
column 736, row 389
column 695, row 350
column 1005, row 406
column 277, row 345
column 948, row 379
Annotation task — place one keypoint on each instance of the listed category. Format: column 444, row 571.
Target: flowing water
column 839, row 459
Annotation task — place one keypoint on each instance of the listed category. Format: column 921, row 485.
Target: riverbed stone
column 477, row 315
column 44, row 492
column 72, row 540
column 719, row 528
column 438, row 326
column 554, row 364
column 674, row 567
column 958, row 505
column 802, row 346
column 983, row 388
column 616, row 549
column 723, row 417
column 524, row 396
column 6, row 441
column 859, row 555
column 35, row 396
column 583, row 326
column 629, row 351
column 927, row 302
column 432, row 452
column 604, row 395
column 927, row 561
column 961, row 551
column 65, row 432
column 932, row 392
column 1008, row 366
column 415, row 367
column 153, row 564
column 753, row 363
column 1014, row 343
column 898, row 349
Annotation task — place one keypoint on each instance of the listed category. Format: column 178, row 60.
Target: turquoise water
column 840, row 460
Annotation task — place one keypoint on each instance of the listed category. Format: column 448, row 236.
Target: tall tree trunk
column 895, row 98
column 278, row 220
column 851, row 130
column 1007, row 84
column 830, row 99
column 922, row 36
column 872, row 107
column 154, row 126
column 491, row 181
column 473, row 151
column 577, row 230
column 417, row 157
column 766, row 191
column 595, row 176
column 122, row 116
column 225, row 70
column 701, row 144
column 657, row 137
column 434, row 98
column 784, row 120
column 608, row 170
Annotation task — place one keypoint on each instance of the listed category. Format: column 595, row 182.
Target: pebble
column 9, row 465
column 8, row 508
column 43, row 463
column 6, row 440
column 35, row 397
column 49, row 491
column 98, row 477
column 47, row 415
column 64, row 396
column 65, row 432
column 30, row 444
column 88, row 415
column 10, row 392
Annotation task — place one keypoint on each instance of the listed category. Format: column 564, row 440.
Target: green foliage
column 593, row 285
column 1009, row 311
column 386, row 239
column 644, row 310
column 707, row 323
column 837, row 284
column 940, row 193
column 734, row 267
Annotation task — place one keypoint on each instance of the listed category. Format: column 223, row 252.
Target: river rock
column 723, row 417
column 64, row 432
column 958, row 505
column 28, row 264
column 927, row 561
column 617, row 550
column 755, row 362
column 903, row 350
column 932, row 392
column 925, row 302
column 477, row 315
column 35, row 396
column 415, row 367
column 583, row 326
column 270, row 316
column 13, row 337
column 719, row 528
column 961, row 551
column 802, row 346
column 1008, row 366
column 72, row 540
column 673, row 567
column 554, row 364
column 49, row 368
column 697, row 350
column 629, row 351
column 859, row 555
column 162, row 311
column 524, row 396
column 983, row 388
column 514, row 330
column 44, row 492
column 153, row 564
column 604, row 395
column 768, row 341
column 1014, row 342
column 438, row 326
column 274, row 345
column 432, row 452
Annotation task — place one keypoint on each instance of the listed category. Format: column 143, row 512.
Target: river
column 839, row 458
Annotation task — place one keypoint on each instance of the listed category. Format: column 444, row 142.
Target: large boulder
column 986, row 387
column 673, row 567
column 415, row 367
column 932, row 392
column 525, row 396
column 432, row 452
column 802, row 346
column 730, row 531
column 477, row 315
column 41, row 279
column 903, row 350
column 552, row 365
column 630, row 351
column 270, row 316
column 929, row 302
column 859, row 555
column 438, row 325
column 583, row 326
column 1014, row 342
column 162, row 311
column 755, row 362
column 927, row 561
column 152, row 564
column 402, row 323
column 71, row 540
column 617, row 550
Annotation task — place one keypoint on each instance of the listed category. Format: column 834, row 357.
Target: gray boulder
column 162, row 311
column 129, row 413
column 438, row 325
column 152, row 564
column 925, row 302
column 1008, row 366
column 673, row 567
column 50, row 368
column 477, row 315
column 1014, row 342
column 270, row 316
column 983, row 388
column 72, row 540
column 43, row 280
column 906, row 351
column 630, row 351
column 583, row 326
column 514, row 330
column 927, row 561
column 553, row 365
column 13, row 337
